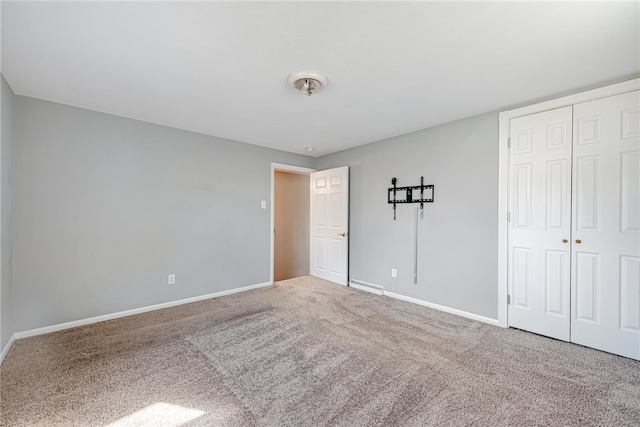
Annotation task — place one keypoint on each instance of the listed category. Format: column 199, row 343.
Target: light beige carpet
column 310, row 353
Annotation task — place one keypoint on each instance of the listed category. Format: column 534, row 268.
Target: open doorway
column 312, row 226
column 291, row 219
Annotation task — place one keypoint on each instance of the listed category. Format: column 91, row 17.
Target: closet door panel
column 587, row 193
column 630, row 188
column 540, row 227
column 605, row 283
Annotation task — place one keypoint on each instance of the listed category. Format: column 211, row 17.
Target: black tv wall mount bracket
column 408, row 195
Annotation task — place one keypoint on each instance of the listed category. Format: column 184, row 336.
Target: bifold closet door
column 605, row 287
column 540, row 226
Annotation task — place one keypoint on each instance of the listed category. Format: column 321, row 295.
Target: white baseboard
column 379, row 290
column 82, row 322
column 367, row 287
column 444, row 308
column 7, row 347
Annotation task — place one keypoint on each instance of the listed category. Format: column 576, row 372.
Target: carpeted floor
column 306, row 352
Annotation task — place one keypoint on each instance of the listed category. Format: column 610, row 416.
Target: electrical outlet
column 171, row 279
column 394, row 272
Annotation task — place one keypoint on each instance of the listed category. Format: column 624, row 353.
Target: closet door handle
column 564, row 240
column 578, row 241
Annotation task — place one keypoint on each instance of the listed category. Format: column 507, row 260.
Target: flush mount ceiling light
column 308, row 82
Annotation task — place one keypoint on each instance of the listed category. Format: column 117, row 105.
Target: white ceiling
column 221, row 68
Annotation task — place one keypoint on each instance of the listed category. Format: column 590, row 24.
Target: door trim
column 287, row 168
column 504, row 119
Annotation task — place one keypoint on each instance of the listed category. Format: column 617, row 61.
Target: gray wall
column 291, row 223
column 107, row 207
column 458, row 235
column 6, row 216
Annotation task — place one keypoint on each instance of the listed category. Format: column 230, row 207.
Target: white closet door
column 540, row 226
column 606, row 225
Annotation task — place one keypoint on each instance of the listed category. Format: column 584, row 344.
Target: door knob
column 564, row 240
column 343, row 234
column 578, row 241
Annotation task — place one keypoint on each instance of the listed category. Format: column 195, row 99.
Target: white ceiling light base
column 308, row 82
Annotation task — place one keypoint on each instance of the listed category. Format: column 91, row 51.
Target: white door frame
column 504, row 119
column 282, row 167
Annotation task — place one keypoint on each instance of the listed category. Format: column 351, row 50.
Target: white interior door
column 329, row 224
column 539, row 229
column 606, row 225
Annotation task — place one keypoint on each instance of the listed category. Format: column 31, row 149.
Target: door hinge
column 509, row 143
column 508, row 216
column 508, row 299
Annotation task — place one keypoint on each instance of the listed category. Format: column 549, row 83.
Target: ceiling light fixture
column 308, row 82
